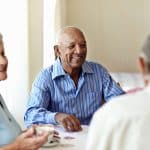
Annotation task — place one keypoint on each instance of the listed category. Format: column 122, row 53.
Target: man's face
column 72, row 49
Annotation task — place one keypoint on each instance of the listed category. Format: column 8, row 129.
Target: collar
column 58, row 70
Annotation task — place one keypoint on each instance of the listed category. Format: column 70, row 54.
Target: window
column 49, row 31
column 13, row 26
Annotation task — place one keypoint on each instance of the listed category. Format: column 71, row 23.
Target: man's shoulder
column 93, row 64
column 48, row 69
column 44, row 74
column 44, row 71
column 93, row 67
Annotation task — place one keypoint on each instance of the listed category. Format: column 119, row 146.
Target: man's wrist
column 52, row 119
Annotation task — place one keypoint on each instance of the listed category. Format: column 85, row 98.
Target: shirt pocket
column 65, row 104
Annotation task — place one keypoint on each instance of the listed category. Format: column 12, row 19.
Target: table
column 70, row 140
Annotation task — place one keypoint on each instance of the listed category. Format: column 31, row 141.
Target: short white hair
column 62, row 30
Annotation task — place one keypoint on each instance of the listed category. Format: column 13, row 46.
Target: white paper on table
column 78, row 134
column 73, row 140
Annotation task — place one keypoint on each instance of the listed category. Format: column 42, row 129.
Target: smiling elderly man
column 72, row 89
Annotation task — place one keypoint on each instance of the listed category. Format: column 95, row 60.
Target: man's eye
column 71, row 46
column 83, row 45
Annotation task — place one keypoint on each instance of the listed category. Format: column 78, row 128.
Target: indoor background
column 114, row 30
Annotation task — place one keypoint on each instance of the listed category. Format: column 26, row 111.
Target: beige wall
column 114, row 29
column 60, row 14
column 35, row 32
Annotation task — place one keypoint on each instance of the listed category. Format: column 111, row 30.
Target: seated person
column 124, row 122
column 72, row 89
column 12, row 138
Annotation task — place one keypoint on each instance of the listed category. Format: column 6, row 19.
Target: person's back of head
column 124, row 122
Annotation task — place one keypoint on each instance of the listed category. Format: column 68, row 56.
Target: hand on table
column 69, row 122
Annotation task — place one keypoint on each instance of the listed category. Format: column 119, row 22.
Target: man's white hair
column 62, row 30
column 145, row 53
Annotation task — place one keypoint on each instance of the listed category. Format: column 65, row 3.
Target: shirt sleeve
column 39, row 100
column 110, row 87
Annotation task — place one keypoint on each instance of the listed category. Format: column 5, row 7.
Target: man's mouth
column 78, row 57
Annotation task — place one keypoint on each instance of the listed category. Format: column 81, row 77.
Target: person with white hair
column 124, row 122
column 72, row 89
column 12, row 138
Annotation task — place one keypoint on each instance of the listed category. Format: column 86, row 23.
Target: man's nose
column 78, row 49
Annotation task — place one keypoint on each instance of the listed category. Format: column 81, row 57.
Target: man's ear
column 142, row 65
column 56, row 51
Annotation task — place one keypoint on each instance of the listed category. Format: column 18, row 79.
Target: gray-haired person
column 125, row 121
column 12, row 138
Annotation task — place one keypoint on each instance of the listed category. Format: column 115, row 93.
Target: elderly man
column 124, row 123
column 72, row 89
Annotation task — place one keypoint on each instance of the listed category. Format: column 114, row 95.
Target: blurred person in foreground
column 12, row 138
column 72, row 89
column 124, row 122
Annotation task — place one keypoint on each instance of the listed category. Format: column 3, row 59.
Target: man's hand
column 69, row 122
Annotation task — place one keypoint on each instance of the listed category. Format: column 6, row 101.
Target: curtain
column 54, row 18
column 49, row 31
column 13, row 26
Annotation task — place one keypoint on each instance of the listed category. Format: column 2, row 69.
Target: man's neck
column 72, row 71
column 74, row 74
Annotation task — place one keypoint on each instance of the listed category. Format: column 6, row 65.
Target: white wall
column 35, row 15
column 114, row 29
column 13, row 26
column 22, row 28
